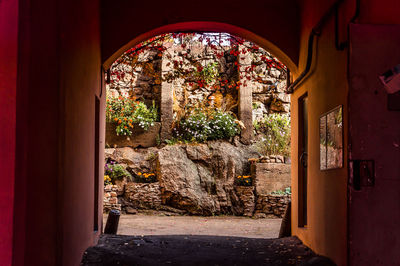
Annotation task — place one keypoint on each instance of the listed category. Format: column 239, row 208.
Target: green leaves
column 115, row 172
column 201, row 125
column 276, row 130
column 127, row 113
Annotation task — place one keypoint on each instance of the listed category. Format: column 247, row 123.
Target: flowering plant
column 223, row 125
column 107, row 180
column 126, row 113
column 113, row 171
column 244, row 180
column 202, row 125
column 145, row 177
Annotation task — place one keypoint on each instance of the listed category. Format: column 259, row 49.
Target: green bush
column 200, row 126
column 195, row 127
column 287, row 191
column 276, row 130
column 222, row 126
column 114, row 172
column 127, row 113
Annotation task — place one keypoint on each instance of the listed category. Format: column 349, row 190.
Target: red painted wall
column 8, row 83
column 58, row 78
column 38, row 116
column 80, row 83
column 374, row 135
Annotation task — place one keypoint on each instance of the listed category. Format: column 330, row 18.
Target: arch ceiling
column 271, row 24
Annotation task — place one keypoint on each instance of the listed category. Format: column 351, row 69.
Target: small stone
column 130, row 210
column 260, row 215
column 113, row 200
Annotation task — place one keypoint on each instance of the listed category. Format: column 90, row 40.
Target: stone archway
column 244, row 112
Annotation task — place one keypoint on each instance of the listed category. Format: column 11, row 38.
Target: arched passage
column 203, row 26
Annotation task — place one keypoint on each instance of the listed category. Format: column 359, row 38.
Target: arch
column 209, row 27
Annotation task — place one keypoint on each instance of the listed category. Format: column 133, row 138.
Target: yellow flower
column 246, row 176
column 139, row 173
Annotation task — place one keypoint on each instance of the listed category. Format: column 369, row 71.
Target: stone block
column 143, row 195
column 140, row 137
column 269, row 177
column 113, row 200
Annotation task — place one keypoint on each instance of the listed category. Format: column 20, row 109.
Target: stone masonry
column 194, row 179
column 254, row 99
column 270, row 177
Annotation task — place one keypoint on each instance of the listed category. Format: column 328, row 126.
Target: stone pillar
column 245, row 101
column 166, row 106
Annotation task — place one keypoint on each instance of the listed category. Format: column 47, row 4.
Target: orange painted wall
column 327, row 88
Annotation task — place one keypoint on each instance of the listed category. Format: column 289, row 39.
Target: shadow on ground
column 200, row 250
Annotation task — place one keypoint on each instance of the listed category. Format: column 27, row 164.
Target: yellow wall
column 327, row 88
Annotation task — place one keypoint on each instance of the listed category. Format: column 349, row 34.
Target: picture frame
column 331, row 139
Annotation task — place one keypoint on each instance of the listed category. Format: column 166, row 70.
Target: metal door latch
column 362, row 173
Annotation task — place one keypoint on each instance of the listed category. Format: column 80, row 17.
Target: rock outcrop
column 195, row 179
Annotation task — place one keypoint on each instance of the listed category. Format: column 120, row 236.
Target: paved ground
column 188, row 240
column 140, row 224
column 199, row 250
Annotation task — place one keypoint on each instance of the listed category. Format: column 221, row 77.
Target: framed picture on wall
column 331, row 139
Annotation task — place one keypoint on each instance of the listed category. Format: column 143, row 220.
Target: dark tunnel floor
column 200, row 250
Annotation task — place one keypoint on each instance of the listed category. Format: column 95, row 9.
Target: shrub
column 113, row 172
column 222, row 125
column 195, row 127
column 200, row 126
column 276, row 130
column 126, row 113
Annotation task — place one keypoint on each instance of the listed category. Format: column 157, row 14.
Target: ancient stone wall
column 270, row 206
column 192, row 179
column 271, row 176
column 255, row 98
column 142, row 81
column 110, row 201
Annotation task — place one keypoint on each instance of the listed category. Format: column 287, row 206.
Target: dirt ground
column 141, row 224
